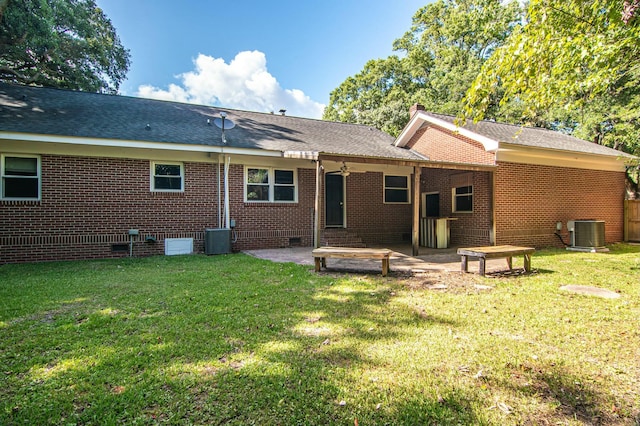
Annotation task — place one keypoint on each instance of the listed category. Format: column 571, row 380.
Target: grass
column 236, row 340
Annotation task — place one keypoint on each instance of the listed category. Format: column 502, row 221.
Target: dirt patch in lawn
column 444, row 281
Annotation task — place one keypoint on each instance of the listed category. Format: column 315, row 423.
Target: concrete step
column 341, row 238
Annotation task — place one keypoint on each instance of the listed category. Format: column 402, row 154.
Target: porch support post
column 316, row 207
column 415, row 234
column 492, row 208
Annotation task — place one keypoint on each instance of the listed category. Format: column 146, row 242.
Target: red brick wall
column 530, row 199
column 469, row 229
column 272, row 225
column 442, row 145
column 369, row 217
column 87, row 204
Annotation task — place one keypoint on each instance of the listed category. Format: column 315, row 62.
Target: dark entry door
column 432, row 208
column 334, row 200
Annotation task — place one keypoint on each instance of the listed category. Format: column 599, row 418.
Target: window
column 270, row 185
column 463, row 199
column 396, row 189
column 168, row 177
column 20, row 177
column 462, row 192
column 284, row 188
column 257, row 184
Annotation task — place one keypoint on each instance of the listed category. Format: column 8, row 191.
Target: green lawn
column 236, row 340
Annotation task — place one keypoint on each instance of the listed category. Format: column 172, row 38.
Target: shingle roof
column 531, row 136
column 81, row 114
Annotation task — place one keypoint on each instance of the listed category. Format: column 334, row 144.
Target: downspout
column 219, row 195
column 227, row 223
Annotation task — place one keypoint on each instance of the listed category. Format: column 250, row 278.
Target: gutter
column 116, row 143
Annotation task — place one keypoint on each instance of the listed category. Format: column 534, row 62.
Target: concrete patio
column 401, row 260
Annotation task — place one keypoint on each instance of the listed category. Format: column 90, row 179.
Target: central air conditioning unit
column 587, row 235
column 217, row 241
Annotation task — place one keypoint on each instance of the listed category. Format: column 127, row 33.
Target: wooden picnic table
column 321, row 254
column 492, row 252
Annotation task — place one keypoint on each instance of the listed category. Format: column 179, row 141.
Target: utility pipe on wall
column 219, row 195
column 227, row 223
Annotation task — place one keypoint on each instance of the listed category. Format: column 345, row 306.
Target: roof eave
column 516, row 153
column 121, row 143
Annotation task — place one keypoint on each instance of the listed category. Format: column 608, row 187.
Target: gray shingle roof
column 532, row 136
column 81, row 114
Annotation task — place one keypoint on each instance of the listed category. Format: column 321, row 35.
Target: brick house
column 79, row 171
column 513, row 184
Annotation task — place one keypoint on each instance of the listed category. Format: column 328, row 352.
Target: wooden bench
column 321, row 254
column 492, row 252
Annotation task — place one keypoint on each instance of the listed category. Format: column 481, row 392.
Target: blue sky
column 254, row 55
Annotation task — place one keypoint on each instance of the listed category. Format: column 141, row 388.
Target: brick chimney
column 415, row 108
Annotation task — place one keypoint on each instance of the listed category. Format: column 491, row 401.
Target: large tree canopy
column 442, row 53
column 574, row 64
column 449, row 41
column 378, row 96
column 60, row 43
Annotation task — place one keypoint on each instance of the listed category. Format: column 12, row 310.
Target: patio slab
column 401, row 260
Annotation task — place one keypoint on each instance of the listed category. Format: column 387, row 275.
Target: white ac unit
column 587, row 234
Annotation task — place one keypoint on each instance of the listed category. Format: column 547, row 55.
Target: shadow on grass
column 571, row 397
column 451, row 408
column 238, row 340
column 204, row 340
column 518, row 272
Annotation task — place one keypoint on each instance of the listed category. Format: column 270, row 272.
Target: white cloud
column 244, row 83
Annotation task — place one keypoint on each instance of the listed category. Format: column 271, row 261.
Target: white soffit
column 511, row 153
column 490, row 145
column 166, row 146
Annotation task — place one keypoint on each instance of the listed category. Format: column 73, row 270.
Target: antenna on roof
column 224, row 123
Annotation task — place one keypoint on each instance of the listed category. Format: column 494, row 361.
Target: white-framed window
column 167, row 176
column 461, row 192
column 20, row 177
column 463, row 199
column 270, row 184
column 396, row 189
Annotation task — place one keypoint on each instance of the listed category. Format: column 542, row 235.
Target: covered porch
column 386, row 202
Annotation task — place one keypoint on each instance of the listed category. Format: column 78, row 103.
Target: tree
column 377, row 96
column 574, row 63
column 442, row 53
column 60, row 43
column 449, row 41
